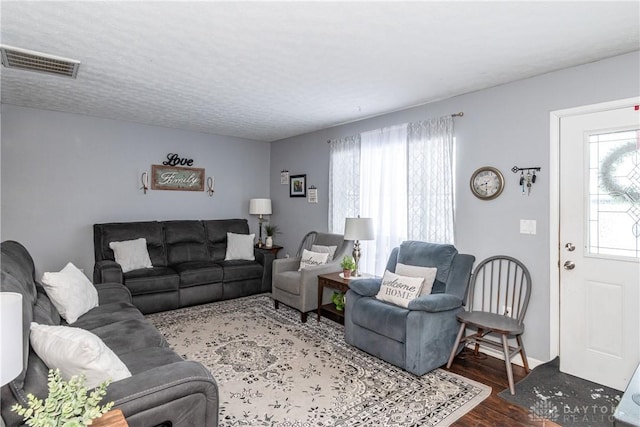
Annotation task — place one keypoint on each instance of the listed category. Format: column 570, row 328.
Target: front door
column 600, row 245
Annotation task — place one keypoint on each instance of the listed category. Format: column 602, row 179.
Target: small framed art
column 298, row 186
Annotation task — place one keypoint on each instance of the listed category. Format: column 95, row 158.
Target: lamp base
column 356, row 258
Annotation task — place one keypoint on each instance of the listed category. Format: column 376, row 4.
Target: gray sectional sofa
column 188, row 260
column 164, row 390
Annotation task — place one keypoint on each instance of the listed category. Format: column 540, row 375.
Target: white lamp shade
column 260, row 206
column 358, row 229
column 10, row 336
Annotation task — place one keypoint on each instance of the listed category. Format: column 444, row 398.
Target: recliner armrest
column 112, row 292
column 365, row 287
column 107, row 271
column 435, row 303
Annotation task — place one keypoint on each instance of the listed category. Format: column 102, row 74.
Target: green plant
column 67, row 404
column 338, row 299
column 348, row 263
column 271, row 230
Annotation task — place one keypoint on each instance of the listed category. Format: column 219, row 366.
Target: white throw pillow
column 331, row 250
column 428, row 273
column 399, row 290
column 312, row 259
column 70, row 291
column 240, row 246
column 131, row 254
column 76, row 351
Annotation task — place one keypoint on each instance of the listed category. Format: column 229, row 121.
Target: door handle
column 569, row 265
column 570, row 247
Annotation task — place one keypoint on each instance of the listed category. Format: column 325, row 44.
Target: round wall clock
column 487, row 183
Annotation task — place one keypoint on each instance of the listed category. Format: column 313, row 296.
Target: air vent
column 23, row 59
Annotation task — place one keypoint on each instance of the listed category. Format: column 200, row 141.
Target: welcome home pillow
column 427, row 273
column 240, row 246
column 399, row 290
column 70, row 291
column 131, row 254
column 312, row 259
column 331, row 250
column 76, row 351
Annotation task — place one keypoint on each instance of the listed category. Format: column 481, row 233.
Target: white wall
column 502, row 127
column 61, row 173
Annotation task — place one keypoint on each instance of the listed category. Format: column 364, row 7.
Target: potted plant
column 338, row 299
column 271, row 231
column 348, row 265
column 67, row 404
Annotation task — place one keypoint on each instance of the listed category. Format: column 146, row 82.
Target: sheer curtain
column 402, row 178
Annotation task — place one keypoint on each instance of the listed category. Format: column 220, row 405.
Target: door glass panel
column 614, row 194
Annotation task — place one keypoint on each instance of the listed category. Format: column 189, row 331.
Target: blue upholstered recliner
column 418, row 339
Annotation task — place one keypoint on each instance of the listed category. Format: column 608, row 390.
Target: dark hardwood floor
column 494, row 411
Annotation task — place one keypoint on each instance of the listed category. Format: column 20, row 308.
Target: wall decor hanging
column 211, row 183
column 298, row 186
column 313, row 194
column 528, row 179
column 486, row 183
column 145, row 182
column 177, row 178
column 284, row 177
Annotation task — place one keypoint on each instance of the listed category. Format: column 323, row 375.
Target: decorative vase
column 338, row 299
column 346, row 273
column 269, row 242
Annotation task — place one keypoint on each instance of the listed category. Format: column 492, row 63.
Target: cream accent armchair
column 299, row 289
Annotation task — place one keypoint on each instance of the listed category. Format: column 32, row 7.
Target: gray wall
column 502, row 127
column 61, row 173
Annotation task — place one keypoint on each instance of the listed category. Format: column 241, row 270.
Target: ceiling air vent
column 23, row 59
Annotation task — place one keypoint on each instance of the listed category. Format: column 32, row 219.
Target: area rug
column 564, row 399
column 273, row 370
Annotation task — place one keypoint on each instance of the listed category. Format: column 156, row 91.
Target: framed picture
column 177, row 178
column 298, row 186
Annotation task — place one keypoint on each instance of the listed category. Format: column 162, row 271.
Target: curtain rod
column 459, row 114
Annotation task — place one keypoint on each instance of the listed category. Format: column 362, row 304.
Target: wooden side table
column 113, row 418
column 333, row 281
column 272, row 250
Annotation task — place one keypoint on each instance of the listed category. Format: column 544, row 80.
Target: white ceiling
column 270, row 70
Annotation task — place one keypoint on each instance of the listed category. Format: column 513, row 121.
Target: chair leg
column 476, row 349
column 276, row 304
column 303, row 317
column 463, row 326
column 523, row 354
column 507, row 362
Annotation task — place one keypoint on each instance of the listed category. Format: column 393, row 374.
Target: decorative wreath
column 607, row 178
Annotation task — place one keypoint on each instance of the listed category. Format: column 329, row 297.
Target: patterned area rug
column 273, row 370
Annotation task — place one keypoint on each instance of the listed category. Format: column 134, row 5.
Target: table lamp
column 11, row 363
column 260, row 207
column 357, row 229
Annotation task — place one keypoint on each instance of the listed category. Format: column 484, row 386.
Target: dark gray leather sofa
column 188, row 263
column 164, row 389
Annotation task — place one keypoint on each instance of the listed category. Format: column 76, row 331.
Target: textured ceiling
column 270, row 70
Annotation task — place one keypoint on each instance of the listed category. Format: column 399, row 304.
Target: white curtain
column 402, row 178
column 430, row 214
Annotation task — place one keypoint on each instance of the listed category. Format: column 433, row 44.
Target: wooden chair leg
column 523, row 354
column 507, row 362
column 463, row 326
column 303, row 317
column 476, row 349
column 276, row 304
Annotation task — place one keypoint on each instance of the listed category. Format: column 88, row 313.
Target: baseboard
column 517, row 360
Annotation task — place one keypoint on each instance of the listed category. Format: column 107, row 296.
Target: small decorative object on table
column 348, row 265
column 338, row 299
column 271, row 231
column 67, row 404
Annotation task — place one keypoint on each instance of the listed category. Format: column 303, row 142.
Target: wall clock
column 487, row 183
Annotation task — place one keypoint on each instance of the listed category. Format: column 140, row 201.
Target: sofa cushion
column 151, row 280
column 186, row 241
column 143, row 359
column 216, row 232
column 389, row 320
column 108, row 313
column 117, row 335
column 240, row 246
column 241, row 270
column 44, row 312
column 70, row 291
column 116, row 232
column 198, row 273
column 131, row 254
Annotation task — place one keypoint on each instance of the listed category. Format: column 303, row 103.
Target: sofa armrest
column 365, row 287
column 161, row 390
column 435, row 303
column 112, row 292
column 107, row 271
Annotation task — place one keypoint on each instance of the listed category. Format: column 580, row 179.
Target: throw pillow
column 76, row 351
column 399, row 290
column 331, row 250
column 70, row 291
column 240, row 246
column 312, row 259
column 131, row 254
column 428, row 273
